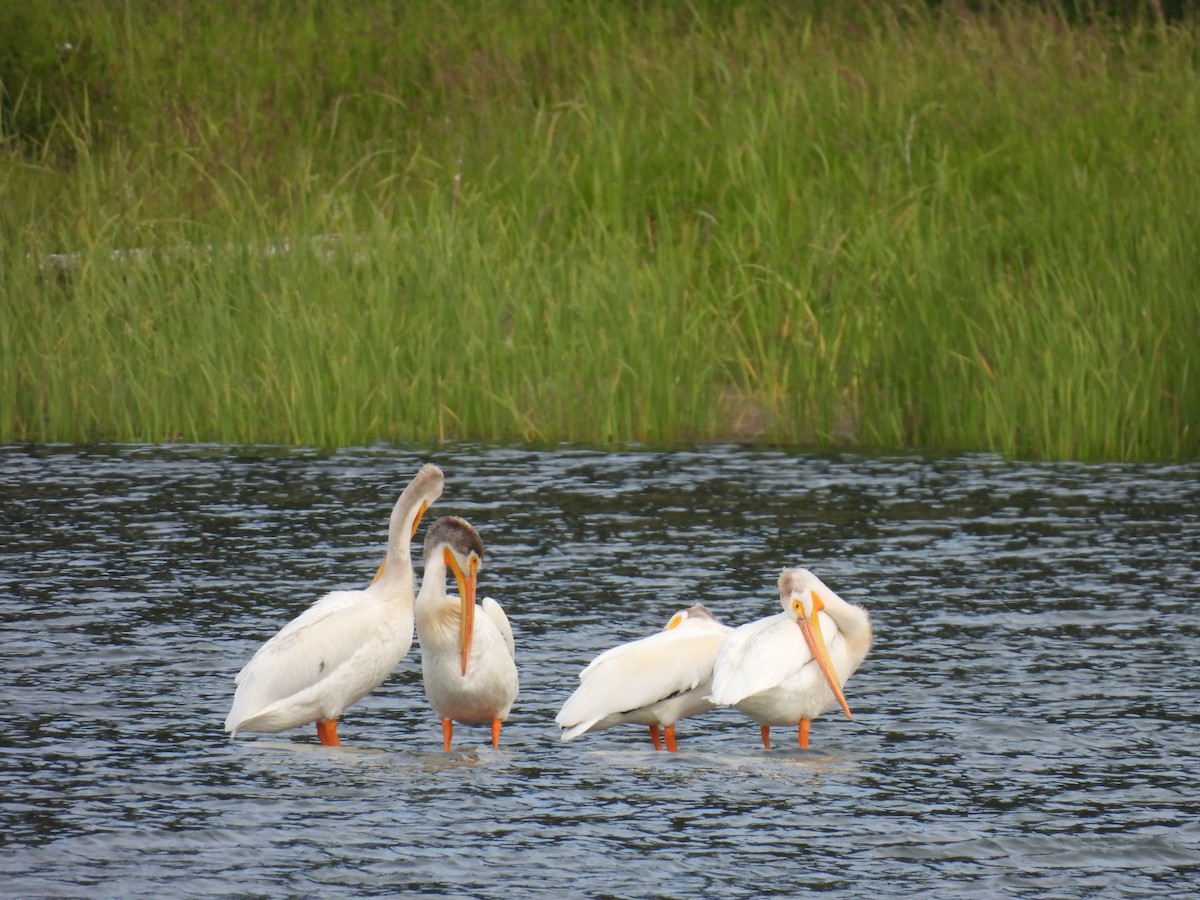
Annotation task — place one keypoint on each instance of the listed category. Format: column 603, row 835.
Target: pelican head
column 421, row 493
column 699, row 611
column 461, row 550
column 800, row 594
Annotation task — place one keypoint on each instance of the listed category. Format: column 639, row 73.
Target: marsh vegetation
column 871, row 226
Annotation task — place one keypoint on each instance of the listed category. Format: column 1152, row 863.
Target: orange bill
column 811, row 628
column 466, row 595
column 417, row 520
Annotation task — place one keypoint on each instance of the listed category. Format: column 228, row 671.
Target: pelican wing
column 307, row 650
column 639, row 673
column 758, row 656
column 495, row 613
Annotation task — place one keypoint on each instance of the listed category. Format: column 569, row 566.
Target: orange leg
column 766, row 736
column 447, row 733
column 655, row 738
column 327, row 732
column 804, row 723
column 496, row 733
column 670, row 736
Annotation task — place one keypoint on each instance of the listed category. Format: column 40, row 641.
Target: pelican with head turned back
column 653, row 681
column 344, row 645
column 467, row 651
column 789, row 668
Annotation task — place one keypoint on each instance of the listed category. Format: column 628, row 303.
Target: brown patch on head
column 453, row 532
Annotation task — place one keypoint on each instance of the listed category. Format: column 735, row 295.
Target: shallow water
column 1025, row 725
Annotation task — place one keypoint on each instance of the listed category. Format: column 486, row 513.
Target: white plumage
column 654, row 681
column 468, row 661
column 344, row 645
column 772, row 670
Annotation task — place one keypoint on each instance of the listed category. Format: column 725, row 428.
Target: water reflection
column 1025, row 724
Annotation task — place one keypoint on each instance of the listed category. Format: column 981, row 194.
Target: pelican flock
column 468, row 659
column 785, row 669
column 654, row 681
column 343, row 646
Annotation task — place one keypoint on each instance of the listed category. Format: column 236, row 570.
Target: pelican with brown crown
column 468, row 656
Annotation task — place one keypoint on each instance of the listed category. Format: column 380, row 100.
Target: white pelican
column 654, row 681
column 344, row 645
column 779, row 674
column 467, row 661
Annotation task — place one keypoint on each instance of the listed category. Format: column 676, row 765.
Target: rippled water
column 1026, row 724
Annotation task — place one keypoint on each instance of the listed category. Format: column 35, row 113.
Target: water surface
column 1026, row 724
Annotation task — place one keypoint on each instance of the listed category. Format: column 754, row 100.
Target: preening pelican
column 467, row 660
column 781, row 674
column 654, row 681
column 344, row 645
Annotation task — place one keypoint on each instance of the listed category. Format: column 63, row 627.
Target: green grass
column 819, row 225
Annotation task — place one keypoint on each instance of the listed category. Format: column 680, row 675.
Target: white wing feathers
column 308, row 650
column 640, row 673
column 495, row 613
column 758, row 656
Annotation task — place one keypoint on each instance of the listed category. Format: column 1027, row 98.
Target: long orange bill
column 811, row 627
column 468, row 618
column 466, row 596
column 379, row 571
column 417, row 520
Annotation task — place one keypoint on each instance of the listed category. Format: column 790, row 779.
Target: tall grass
column 875, row 227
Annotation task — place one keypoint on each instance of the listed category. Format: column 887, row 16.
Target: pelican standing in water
column 467, row 660
column 654, row 681
column 789, row 668
column 344, row 645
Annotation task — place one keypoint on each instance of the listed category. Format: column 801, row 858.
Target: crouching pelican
column 654, row 681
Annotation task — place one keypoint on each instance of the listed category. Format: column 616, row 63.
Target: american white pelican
column 344, row 645
column 654, row 681
column 781, row 674
column 467, row 661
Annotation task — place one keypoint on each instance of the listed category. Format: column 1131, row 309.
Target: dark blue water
column 1026, row 725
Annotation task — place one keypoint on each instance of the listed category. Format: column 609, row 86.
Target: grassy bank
column 821, row 225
